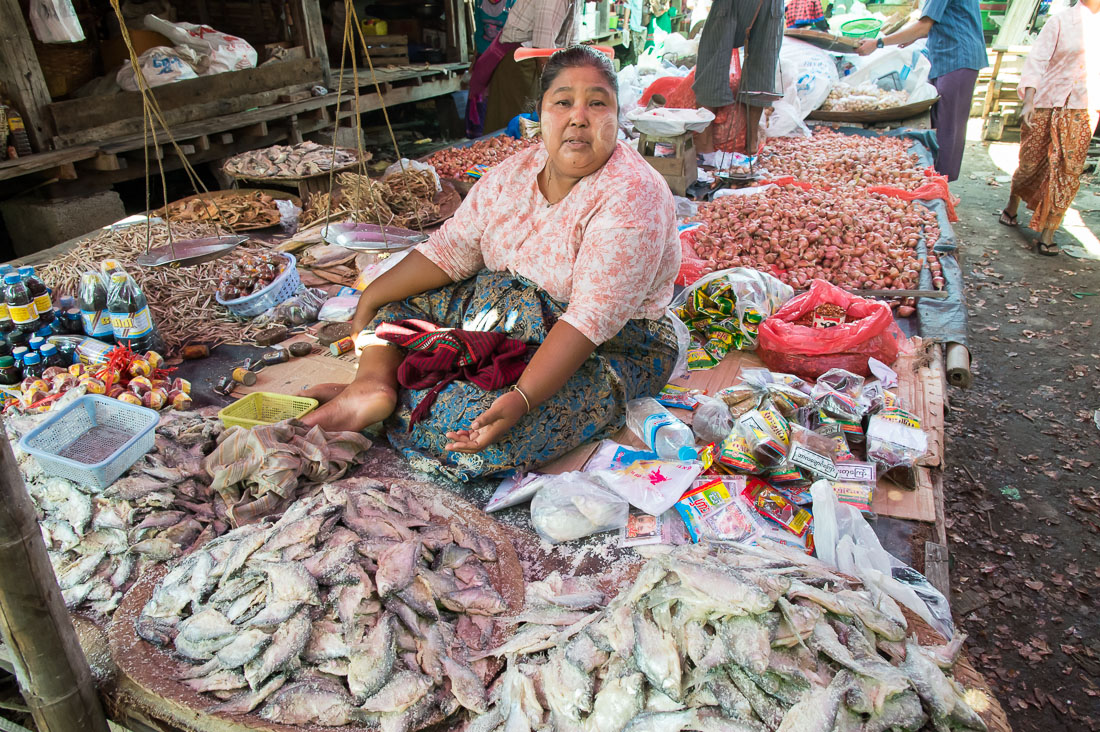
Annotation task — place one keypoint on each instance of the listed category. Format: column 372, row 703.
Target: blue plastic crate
column 281, row 289
column 71, row 444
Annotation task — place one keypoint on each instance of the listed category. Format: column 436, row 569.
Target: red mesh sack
column 729, row 123
column 691, row 266
column 809, row 352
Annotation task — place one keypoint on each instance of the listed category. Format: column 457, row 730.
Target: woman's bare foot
column 324, row 392
column 357, row 407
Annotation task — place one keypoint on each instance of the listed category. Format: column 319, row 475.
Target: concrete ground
column 1023, row 476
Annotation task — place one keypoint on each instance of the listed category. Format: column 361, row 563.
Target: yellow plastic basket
column 263, row 407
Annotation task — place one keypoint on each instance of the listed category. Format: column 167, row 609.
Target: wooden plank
column 314, row 31
column 21, row 76
column 1014, row 26
column 935, row 567
column 402, row 95
column 39, row 162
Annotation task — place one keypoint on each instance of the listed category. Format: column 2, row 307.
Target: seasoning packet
column 735, row 454
column 740, row 398
column 734, row 521
column 812, row 453
column 841, row 409
column 857, row 495
column 699, row 360
column 771, row 504
column 839, row 449
column 894, row 438
column 678, row 397
column 706, row 495
column 767, row 433
column 839, row 380
column 787, row 399
column 771, row 531
column 761, row 377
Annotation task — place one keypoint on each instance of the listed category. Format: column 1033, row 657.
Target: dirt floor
column 1023, row 476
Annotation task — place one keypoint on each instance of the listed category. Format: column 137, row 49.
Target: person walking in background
column 806, row 14
column 1060, row 88
column 758, row 26
column 956, row 48
column 490, row 17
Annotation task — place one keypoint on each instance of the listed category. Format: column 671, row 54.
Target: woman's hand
column 492, row 424
column 867, row 47
column 1028, row 108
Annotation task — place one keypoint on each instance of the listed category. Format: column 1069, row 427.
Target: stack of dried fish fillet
column 181, row 300
column 357, row 606
column 257, row 470
column 99, row 543
column 745, row 640
column 289, row 161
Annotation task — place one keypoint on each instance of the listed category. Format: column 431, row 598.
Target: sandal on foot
column 1006, row 219
column 1047, row 250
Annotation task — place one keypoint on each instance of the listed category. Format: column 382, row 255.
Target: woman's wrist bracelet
column 515, row 388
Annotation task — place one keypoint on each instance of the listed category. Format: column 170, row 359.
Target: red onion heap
column 455, row 161
column 854, row 239
column 834, row 159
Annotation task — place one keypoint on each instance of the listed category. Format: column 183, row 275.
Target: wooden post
column 52, row 671
column 991, row 90
column 312, row 28
column 20, row 74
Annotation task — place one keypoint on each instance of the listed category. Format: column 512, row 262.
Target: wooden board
column 827, row 41
column 95, row 118
column 875, row 115
column 47, row 161
column 21, row 75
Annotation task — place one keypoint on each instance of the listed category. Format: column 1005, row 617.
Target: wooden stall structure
column 96, row 141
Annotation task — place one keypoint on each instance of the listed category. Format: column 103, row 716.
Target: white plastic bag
column 808, row 74
column 159, row 65
column 55, row 21
column 845, row 540
column 573, row 505
column 405, row 164
column 339, row 309
column 668, row 122
column 651, row 485
column 216, row 51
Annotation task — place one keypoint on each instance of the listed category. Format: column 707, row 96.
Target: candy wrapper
column 678, row 397
column 771, row 504
column 734, row 454
column 706, row 496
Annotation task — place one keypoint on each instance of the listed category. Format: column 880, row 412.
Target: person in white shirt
column 1060, row 88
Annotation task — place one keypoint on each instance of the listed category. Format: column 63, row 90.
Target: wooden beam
column 51, row 668
column 38, row 162
column 314, row 31
column 21, row 75
column 935, row 567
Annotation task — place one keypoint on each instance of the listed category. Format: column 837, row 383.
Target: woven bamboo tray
column 876, row 115
column 217, row 195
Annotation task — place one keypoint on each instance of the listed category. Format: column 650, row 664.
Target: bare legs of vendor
column 369, row 398
column 1046, row 236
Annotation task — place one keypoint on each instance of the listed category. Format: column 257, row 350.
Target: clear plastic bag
column 838, row 380
column 55, row 21
column 894, row 441
column 159, row 65
column 651, row 485
column 339, row 309
column 713, row 420
column 300, row 309
column 574, row 505
column 845, row 540
column 758, row 295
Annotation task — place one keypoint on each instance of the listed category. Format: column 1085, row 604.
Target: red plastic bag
column 809, row 352
column 691, row 266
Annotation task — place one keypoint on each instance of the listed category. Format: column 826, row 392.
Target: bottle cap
column 48, row 350
column 687, row 453
column 31, row 359
column 6, row 361
column 36, row 342
column 11, row 278
column 27, row 270
column 44, row 332
column 19, row 352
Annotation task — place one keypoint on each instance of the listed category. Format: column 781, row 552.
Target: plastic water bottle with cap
column 661, row 432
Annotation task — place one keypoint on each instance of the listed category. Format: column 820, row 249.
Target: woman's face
column 580, row 121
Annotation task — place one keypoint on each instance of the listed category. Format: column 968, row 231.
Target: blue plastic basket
column 71, row 444
column 282, row 289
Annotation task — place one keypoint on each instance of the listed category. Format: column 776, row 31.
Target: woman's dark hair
column 575, row 57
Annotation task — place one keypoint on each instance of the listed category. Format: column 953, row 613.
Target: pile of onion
column 455, row 161
column 831, row 159
column 854, row 239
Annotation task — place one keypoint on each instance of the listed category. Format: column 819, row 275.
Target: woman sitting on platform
column 569, row 246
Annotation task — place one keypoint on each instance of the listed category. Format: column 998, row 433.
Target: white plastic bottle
column 661, row 432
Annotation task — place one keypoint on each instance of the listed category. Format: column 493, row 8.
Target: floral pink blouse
column 609, row 249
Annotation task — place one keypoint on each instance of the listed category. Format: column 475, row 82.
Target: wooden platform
column 920, row 386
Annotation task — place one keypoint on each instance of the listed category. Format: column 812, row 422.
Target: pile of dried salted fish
column 233, row 209
column 357, row 606
column 256, row 471
column 289, row 161
column 742, row 640
column 100, row 543
column 405, row 199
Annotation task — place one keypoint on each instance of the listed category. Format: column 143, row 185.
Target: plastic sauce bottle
column 20, row 303
column 131, row 320
column 661, row 432
column 32, row 366
column 10, row 375
column 36, row 343
column 93, row 306
column 51, row 356
column 42, row 302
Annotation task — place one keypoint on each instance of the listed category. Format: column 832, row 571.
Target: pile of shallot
column 831, row 159
column 455, row 161
column 854, row 239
